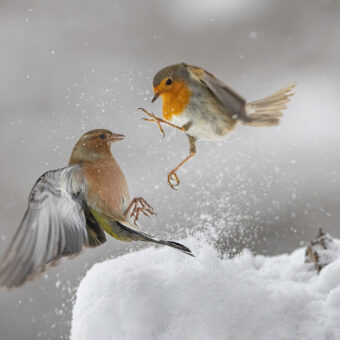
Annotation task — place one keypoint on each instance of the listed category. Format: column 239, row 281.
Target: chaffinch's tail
column 131, row 233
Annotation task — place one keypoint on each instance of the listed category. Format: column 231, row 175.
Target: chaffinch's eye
column 102, row 136
column 169, row 81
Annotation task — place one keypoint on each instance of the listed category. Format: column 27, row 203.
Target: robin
column 70, row 208
column 203, row 107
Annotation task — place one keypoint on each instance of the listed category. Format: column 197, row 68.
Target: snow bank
column 158, row 293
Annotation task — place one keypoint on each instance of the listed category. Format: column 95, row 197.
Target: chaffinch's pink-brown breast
column 108, row 191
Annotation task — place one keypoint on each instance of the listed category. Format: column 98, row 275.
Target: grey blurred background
column 70, row 66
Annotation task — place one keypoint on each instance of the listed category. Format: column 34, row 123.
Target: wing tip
column 180, row 247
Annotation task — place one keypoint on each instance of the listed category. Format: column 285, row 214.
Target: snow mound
column 158, row 293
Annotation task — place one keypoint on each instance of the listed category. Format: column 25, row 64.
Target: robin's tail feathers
column 267, row 111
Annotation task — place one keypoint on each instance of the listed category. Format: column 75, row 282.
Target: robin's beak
column 115, row 137
column 155, row 97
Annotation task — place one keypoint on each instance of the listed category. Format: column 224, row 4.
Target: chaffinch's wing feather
column 53, row 226
column 95, row 233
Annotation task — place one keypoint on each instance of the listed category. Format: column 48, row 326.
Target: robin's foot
column 139, row 205
column 173, row 179
column 158, row 121
column 153, row 118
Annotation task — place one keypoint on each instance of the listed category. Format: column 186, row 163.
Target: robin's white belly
column 203, row 128
column 180, row 120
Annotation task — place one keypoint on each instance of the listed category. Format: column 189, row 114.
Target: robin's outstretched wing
column 231, row 100
column 53, row 226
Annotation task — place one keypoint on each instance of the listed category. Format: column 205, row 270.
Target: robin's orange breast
column 175, row 100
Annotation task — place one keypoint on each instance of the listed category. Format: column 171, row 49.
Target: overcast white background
column 70, row 66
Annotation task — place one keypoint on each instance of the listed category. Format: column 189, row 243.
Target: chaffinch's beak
column 115, row 137
column 155, row 97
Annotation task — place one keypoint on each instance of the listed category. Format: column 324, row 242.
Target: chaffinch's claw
column 144, row 208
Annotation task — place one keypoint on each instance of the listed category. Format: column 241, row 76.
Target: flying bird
column 204, row 108
column 70, row 208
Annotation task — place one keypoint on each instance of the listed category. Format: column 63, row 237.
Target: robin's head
column 170, row 80
column 94, row 144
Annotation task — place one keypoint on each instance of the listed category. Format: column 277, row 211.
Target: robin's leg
column 158, row 121
column 173, row 180
column 139, row 205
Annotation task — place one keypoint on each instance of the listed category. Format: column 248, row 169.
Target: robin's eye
column 102, row 136
column 169, row 81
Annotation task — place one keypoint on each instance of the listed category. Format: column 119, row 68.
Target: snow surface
column 158, row 293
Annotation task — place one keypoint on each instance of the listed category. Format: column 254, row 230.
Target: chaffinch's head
column 94, row 144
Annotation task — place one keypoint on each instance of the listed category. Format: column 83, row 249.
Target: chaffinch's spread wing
column 54, row 225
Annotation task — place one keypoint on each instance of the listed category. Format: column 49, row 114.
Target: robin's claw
column 142, row 109
column 173, row 180
column 153, row 118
